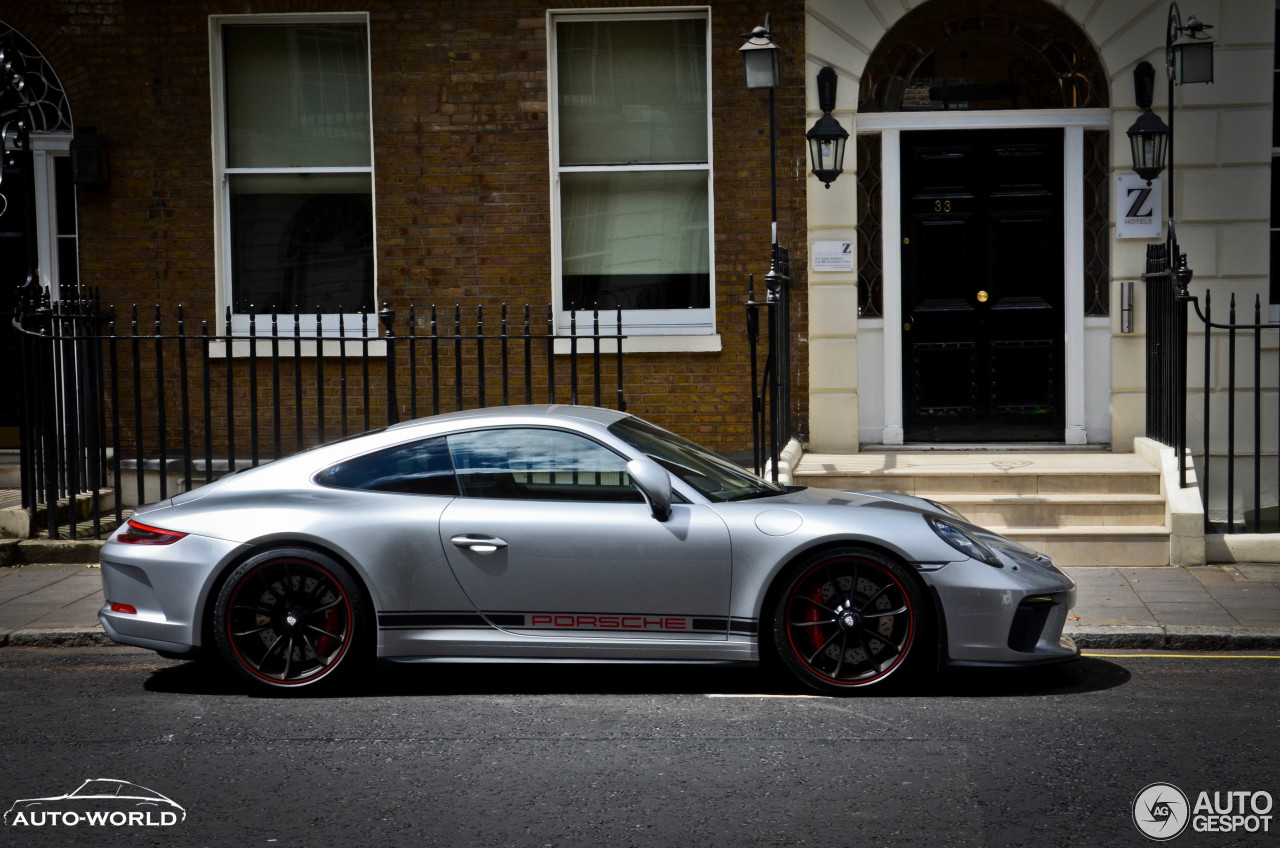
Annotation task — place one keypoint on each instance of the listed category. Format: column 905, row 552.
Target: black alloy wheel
column 847, row 620
column 289, row 618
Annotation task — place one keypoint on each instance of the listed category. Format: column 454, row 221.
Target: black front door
column 16, row 245
column 982, row 286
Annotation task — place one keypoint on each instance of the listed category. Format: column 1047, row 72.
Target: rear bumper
column 167, row 585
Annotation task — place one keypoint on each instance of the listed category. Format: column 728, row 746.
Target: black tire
column 849, row 619
column 290, row 619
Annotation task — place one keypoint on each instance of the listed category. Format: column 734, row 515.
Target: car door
column 550, row 538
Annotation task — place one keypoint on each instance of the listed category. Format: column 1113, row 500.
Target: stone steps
column 1085, row 508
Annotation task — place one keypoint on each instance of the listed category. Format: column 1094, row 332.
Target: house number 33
column 942, row 206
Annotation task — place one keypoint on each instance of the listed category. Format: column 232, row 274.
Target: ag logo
column 1161, row 811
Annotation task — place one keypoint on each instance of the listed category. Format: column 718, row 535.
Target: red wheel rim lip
column 906, row 644
column 346, row 606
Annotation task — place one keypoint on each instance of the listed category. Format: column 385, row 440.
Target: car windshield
column 712, row 475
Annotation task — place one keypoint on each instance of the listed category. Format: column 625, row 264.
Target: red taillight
column 124, row 608
column 136, row 533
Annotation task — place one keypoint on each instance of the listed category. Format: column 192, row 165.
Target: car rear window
column 417, row 468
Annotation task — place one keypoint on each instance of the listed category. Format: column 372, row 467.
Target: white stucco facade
column 1223, row 152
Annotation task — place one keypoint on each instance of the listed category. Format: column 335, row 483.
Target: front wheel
column 847, row 620
column 289, row 618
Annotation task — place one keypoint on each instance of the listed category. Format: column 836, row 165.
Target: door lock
column 982, row 297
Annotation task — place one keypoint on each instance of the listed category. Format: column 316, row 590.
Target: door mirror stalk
column 654, row 483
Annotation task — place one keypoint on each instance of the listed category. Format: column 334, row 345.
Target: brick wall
column 461, row 168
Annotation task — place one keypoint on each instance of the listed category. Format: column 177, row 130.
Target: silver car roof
column 603, row 417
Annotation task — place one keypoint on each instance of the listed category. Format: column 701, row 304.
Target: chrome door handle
column 479, row 544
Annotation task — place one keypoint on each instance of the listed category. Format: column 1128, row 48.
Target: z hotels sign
column 1138, row 207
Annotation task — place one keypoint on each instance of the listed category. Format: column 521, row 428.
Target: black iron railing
column 1167, row 349
column 1236, row 414
column 152, row 402
column 1237, row 444
column 771, row 425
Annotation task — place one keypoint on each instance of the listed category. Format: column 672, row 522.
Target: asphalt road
column 491, row 755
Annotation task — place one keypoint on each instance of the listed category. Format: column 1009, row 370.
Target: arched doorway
column 988, row 119
column 38, row 240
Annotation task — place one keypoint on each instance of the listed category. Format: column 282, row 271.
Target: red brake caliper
column 811, row 614
column 324, row 643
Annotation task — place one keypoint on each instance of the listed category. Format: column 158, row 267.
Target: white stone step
column 924, row 473
column 1057, row 510
column 1081, row 508
column 1104, row 546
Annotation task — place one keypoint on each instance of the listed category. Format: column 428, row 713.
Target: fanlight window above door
column 982, row 55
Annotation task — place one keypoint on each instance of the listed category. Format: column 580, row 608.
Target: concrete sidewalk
column 1204, row 608
column 1208, row 608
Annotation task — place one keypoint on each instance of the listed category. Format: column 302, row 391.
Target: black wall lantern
column 89, row 168
column 1148, row 137
column 827, row 138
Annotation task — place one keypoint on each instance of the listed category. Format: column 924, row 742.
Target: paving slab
column 61, row 597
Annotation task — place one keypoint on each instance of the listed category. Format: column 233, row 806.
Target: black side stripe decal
column 465, row 620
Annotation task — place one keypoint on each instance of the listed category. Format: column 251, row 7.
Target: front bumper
column 168, row 586
column 1004, row 616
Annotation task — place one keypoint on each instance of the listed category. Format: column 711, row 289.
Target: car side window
column 539, row 464
column 418, row 468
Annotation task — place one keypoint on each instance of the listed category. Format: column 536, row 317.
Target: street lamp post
column 827, row 141
column 760, row 62
column 1188, row 57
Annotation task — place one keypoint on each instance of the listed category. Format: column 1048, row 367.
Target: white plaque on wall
column 1138, row 207
column 832, row 255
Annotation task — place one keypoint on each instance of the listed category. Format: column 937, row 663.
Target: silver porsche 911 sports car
column 566, row 532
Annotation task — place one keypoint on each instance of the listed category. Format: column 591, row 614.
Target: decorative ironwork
column 1097, row 222
column 870, row 212
column 771, row 422
column 40, row 95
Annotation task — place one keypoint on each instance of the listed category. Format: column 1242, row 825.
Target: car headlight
column 964, row 542
column 949, row 510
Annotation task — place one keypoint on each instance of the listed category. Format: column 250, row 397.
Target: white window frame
column 45, row 148
column 222, row 184
column 698, row 326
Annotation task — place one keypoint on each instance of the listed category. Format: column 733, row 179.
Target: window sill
column 377, row 347
column 645, row 344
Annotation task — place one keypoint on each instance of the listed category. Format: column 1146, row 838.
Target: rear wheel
column 289, row 618
column 848, row 619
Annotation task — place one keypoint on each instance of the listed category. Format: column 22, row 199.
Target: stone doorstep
column 1062, row 510
column 1087, row 508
